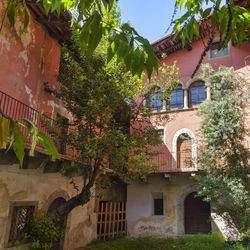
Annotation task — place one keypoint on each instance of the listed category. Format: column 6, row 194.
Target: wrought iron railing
column 18, row 110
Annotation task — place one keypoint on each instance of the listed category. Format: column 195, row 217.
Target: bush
column 43, row 232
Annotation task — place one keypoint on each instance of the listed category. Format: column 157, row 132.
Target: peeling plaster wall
column 32, row 185
column 140, row 218
column 27, row 61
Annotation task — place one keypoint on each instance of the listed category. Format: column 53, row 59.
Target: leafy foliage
column 13, row 12
column 10, row 127
column 231, row 20
column 223, row 154
column 43, row 232
column 106, row 133
column 95, row 22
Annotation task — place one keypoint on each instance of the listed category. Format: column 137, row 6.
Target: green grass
column 214, row 241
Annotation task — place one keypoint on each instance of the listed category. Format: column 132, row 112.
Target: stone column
column 185, row 99
column 164, row 105
column 208, row 93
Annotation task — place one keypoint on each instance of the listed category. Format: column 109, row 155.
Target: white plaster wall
column 140, row 218
column 33, row 185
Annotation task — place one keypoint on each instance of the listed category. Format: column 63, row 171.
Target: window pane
column 176, row 99
column 158, row 206
column 202, row 94
column 159, row 102
column 180, row 99
column 214, row 53
column 194, row 96
column 156, row 102
column 20, row 220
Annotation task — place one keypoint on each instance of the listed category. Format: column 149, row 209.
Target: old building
column 166, row 204
column 27, row 61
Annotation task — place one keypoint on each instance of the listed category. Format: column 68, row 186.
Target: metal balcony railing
column 18, row 110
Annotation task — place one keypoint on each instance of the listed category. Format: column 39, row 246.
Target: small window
column 176, row 100
column 155, row 99
column 215, row 53
column 155, row 136
column 158, row 203
column 161, row 134
column 197, row 93
column 20, row 220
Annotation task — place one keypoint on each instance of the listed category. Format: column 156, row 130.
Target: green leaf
column 85, row 4
column 108, row 4
column 18, row 142
column 33, row 130
column 214, row 18
column 128, row 59
column 183, row 38
column 55, row 5
column 3, row 131
column 110, row 53
column 196, row 27
column 95, row 32
column 122, row 50
column 47, row 4
column 189, row 31
column 48, row 144
column 135, row 60
column 223, row 23
column 149, row 67
column 206, row 12
column 26, row 18
column 12, row 12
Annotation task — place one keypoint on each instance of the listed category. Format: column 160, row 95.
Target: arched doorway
column 53, row 210
column 196, row 215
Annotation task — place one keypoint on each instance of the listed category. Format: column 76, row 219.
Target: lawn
column 213, row 241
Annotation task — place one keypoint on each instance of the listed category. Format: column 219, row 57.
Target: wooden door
column 196, row 215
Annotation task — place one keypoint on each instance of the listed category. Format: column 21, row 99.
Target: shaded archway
column 53, row 210
column 196, row 215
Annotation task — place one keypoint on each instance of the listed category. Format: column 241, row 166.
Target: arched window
column 176, row 100
column 184, row 151
column 155, row 99
column 197, row 93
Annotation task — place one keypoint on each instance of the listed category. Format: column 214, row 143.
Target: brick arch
column 174, row 146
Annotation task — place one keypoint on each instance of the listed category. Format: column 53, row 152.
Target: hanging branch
column 209, row 43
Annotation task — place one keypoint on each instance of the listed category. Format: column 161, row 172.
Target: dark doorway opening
column 53, row 210
column 196, row 215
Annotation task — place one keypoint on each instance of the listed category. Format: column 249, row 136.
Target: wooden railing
column 111, row 219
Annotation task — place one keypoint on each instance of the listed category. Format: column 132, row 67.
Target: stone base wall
column 32, row 185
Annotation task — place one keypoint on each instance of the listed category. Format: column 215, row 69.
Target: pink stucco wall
column 186, row 61
column 27, row 60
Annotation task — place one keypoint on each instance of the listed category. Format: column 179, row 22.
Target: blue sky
column 150, row 18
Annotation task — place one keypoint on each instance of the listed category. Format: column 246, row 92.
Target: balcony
column 162, row 162
column 17, row 110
